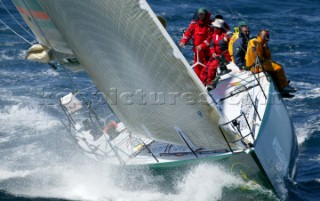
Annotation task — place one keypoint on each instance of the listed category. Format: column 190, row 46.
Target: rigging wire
column 20, row 36
column 12, row 16
column 241, row 17
column 232, row 11
column 237, row 15
column 69, row 78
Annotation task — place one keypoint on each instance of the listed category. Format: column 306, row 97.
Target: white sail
column 131, row 58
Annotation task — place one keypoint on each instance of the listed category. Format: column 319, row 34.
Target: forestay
column 141, row 72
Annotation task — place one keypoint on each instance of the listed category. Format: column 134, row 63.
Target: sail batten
column 134, row 62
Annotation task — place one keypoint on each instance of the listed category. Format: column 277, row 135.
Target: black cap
column 218, row 17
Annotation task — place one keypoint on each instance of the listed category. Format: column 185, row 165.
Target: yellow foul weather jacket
column 255, row 48
column 234, row 37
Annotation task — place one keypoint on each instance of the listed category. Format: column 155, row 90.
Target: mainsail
column 135, row 64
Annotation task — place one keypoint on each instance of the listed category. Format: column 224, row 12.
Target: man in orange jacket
column 258, row 52
column 198, row 30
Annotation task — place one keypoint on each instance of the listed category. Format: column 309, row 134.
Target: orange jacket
column 256, row 48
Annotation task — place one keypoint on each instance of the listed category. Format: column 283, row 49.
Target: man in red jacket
column 198, row 30
column 214, row 39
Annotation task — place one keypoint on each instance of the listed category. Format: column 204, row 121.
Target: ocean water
column 39, row 161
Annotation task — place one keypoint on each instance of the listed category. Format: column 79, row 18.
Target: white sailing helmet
column 218, row 23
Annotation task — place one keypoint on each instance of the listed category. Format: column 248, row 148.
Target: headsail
column 141, row 72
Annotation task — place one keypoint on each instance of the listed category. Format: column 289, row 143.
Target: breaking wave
column 12, row 54
column 40, row 160
column 97, row 182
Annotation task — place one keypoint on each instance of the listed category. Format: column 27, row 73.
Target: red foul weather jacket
column 198, row 30
column 215, row 38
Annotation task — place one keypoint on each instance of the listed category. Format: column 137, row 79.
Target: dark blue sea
column 39, row 161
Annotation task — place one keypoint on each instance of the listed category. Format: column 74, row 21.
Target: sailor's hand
column 226, row 38
column 182, row 44
column 199, row 47
column 214, row 55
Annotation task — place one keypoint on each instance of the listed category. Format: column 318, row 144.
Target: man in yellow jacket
column 258, row 53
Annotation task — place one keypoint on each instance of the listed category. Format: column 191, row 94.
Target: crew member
column 235, row 36
column 225, row 25
column 198, row 30
column 258, row 52
column 239, row 47
column 209, row 72
column 224, row 28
